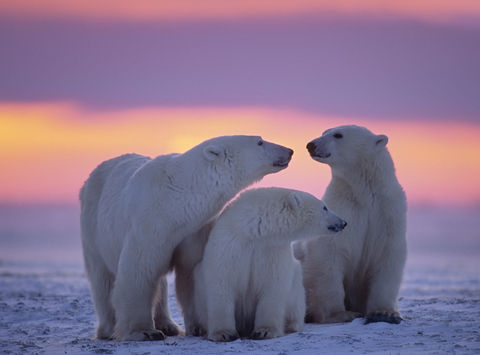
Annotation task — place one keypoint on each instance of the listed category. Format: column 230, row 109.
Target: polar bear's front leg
column 221, row 316
column 270, row 313
column 296, row 304
column 163, row 320
column 185, row 288
column 134, row 291
column 382, row 303
column 383, row 291
column 326, row 298
column 186, row 257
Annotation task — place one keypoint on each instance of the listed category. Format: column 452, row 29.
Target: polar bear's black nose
column 338, row 226
column 290, row 152
column 311, row 147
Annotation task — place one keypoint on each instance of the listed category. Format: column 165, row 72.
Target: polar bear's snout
column 311, row 147
column 337, row 227
column 284, row 158
column 317, row 150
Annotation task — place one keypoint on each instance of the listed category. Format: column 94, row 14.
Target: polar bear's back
column 109, row 173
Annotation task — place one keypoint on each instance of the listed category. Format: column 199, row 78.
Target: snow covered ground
column 45, row 305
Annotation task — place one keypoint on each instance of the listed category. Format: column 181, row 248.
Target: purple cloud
column 335, row 65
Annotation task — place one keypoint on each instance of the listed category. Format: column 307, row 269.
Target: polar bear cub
column 135, row 211
column 248, row 283
column 360, row 271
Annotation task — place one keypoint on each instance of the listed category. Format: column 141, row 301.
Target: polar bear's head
column 282, row 215
column 346, row 146
column 310, row 217
column 245, row 159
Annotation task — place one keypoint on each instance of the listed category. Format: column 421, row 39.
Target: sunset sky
column 83, row 81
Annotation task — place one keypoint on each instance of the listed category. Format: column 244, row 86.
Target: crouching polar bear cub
column 135, row 211
column 248, row 283
column 360, row 271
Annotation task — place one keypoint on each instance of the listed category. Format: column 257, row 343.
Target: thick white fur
column 135, row 211
column 360, row 271
column 248, row 283
column 186, row 256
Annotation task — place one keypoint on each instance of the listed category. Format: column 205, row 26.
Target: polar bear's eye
column 260, row 142
column 325, row 208
column 338, row 135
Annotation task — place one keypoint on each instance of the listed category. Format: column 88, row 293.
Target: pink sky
column 49, row 150
column 83, row 81
column 210, row 9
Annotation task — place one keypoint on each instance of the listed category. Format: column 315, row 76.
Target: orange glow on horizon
column 47, row 151
column 211, row 9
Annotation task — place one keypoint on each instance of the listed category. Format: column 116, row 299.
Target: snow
column 45, row 305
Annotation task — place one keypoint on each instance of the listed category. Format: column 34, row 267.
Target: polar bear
column 248, row 283
column 135, row 211
column 360, row 271
column 185, row 258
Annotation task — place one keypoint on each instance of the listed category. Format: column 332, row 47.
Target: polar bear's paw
column 169, row 328
column 265, row 333
column 293, row 326
column 343, row 317
column 384, row 316
column 195, row 330
column 224, row 335
column 198, row 331
column 104, row 333
column 335, row 317
column 154, row 335
column 142, row 335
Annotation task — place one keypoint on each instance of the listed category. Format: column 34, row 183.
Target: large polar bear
column 248, row 283
column 360, row 271
column 135, row 211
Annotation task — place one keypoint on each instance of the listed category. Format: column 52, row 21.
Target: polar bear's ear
column 212, row 152
column 381, row 140
column 294, row 201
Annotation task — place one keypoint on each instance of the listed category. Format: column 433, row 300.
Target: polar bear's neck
column 368, row 176
column 204, row 188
